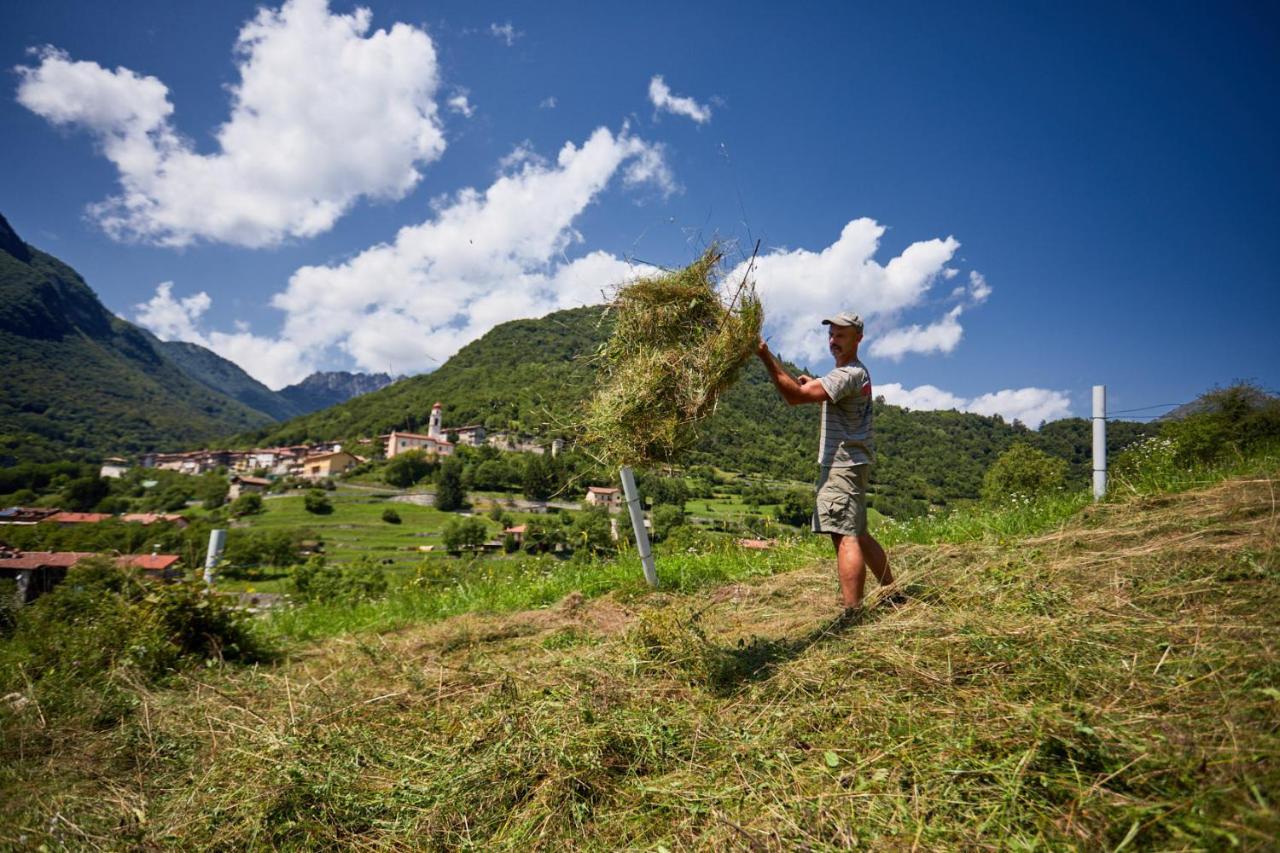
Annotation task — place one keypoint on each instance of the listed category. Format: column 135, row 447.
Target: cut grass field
column 1102, row 679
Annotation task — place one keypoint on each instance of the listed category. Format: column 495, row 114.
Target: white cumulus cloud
column 325, row 112
column 664, row 101
column 1031, row 406
column 799, row 287
column 483, row 258
column 942, row 336
column 979, row 290
column 548, row 103
column 174, row 319
column 460, row 103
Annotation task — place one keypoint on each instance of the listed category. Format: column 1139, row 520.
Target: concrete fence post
column 636, row 510
column 1099, row 441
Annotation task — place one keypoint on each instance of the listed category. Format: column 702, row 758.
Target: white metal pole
column 217, row 539
column 632, row 495
column 1099, row 441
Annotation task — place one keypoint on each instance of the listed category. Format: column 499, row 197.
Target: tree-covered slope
column 226, row 377
column 532, row 375
column 79, row 381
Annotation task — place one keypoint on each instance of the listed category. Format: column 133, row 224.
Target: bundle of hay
column 677, row 344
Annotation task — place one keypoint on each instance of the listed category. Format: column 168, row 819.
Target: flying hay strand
column 676, row 346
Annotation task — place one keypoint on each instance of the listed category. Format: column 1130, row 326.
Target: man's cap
column 844, row 318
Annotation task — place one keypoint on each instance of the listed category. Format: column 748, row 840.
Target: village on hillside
column 252, row 474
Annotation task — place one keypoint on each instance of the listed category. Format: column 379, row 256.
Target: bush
column 1232, row 421
column 251, row 549
column 390, row 516
column 689, row 538
column 250, row 503
column 591, row 533
column 462, row 534
column 104, row 627
column 408, row 468
column 796, row 508
column 317, row 502
column 321, row 581
column 1023, row 472
column 540, row 538
column 666, row 518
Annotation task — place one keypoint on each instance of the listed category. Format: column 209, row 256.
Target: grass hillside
column 1111, row 680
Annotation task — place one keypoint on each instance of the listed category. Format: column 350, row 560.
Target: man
column 844, row 454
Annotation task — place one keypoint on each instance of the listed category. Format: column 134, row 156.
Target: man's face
column 842, row 341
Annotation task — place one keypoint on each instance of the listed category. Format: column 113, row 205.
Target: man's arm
column 795, row 392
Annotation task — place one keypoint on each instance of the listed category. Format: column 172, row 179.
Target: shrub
column 408, row 468
column 666, row 518
column 465, row 533
column 795, row 508
column 1023, row 472
column 251, row 549
column 390, row 516
column 104, row 627
column 317, row 502
column 321, row 581
column 591, row 533
column 250, row 503
column 1232, row 421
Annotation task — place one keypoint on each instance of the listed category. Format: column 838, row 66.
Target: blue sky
column 1022, row 199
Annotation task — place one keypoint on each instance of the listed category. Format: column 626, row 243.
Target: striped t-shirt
column 845, row 438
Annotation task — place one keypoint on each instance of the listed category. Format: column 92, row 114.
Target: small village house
column 322, row 465
column 113, row 467
column 609, row 498
column 471, row 434
column 516, row 533
column 37, row 572
column 244, row 484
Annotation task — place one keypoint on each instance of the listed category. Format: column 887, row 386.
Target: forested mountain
column 531, row 376
column 79, row 381
column 322, row 390
column 227, row 378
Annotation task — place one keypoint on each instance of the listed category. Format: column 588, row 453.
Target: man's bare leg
column 876, row 558
column 851, row 568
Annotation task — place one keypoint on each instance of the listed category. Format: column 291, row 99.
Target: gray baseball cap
column 844, row 318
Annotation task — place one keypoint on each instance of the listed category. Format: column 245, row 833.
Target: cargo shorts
column 841, row 505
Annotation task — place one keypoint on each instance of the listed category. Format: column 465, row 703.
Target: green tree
column 407, row 468
column 1023, row 471
column 450, row 495
column 796, row 508
column 592, row 533
column 666, row 518
column 539, row 537
column 250, row 503
column 83, row 494
column 539, row 482
column 462, row 534
column 212, row 490
column 317, row 502
column 390, row 516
